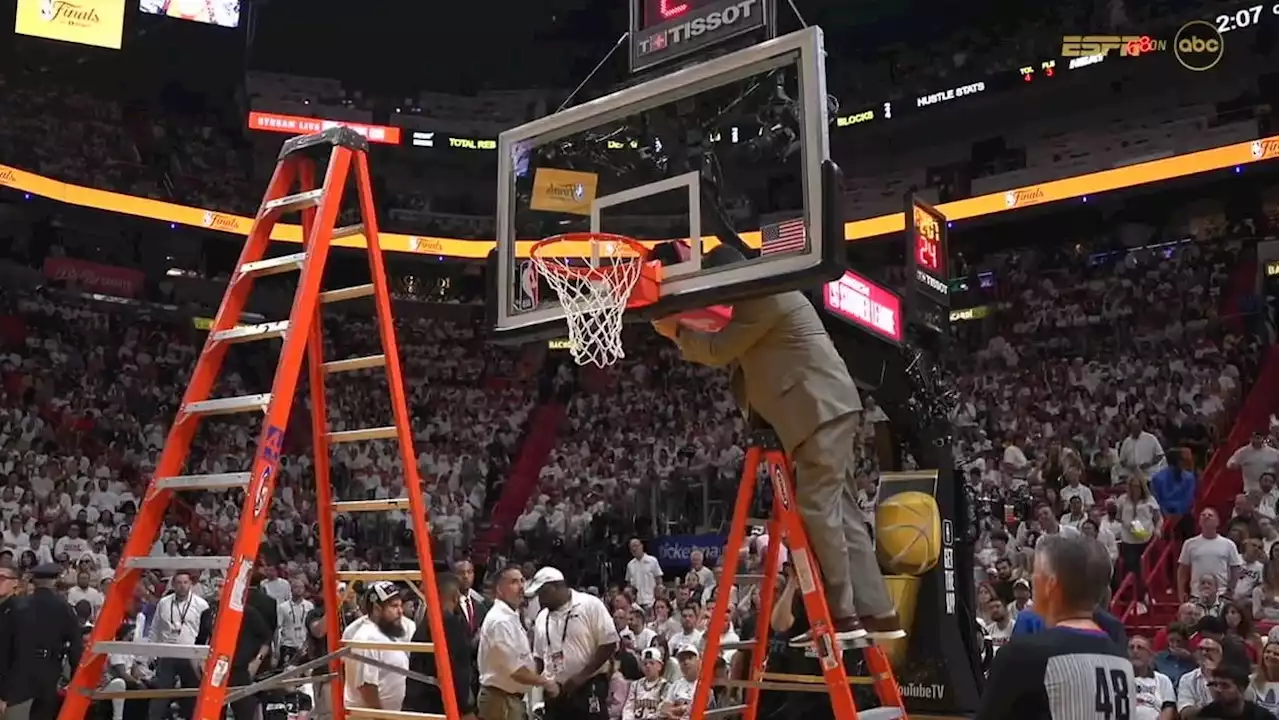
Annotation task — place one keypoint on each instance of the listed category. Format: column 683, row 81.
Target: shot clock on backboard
column 664, row 30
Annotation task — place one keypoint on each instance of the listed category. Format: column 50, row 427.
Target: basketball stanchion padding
column 908, row 533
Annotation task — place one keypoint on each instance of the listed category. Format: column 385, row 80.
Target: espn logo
column 423, row 139
column 1128, row 45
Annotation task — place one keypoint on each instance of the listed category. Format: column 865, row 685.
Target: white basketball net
column 594, row 301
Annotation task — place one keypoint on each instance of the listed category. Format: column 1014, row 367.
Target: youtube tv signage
column 298, row 125
column 866, row 305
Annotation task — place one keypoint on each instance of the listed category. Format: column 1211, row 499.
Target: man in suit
column 421, row 697
column 786, row 371
column 471, row 604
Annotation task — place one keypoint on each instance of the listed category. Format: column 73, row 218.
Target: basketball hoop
column 597, row 276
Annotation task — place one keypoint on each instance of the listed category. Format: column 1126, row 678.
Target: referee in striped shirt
column 1072, row 670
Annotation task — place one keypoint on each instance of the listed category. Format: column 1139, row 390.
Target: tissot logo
column 738, row 13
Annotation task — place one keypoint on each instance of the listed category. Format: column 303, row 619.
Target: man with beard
column 573, row 639
column 368, row 686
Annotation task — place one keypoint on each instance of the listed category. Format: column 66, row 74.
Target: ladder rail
column 403, row 422
column 768, row 587
column 147, row 523
column 321, row 466
column 720, row 613
column 266, row 463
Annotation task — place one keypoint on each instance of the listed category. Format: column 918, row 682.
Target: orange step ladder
column 785, row 523
column 301, row 335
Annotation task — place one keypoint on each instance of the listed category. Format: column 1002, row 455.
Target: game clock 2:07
column 657, row 12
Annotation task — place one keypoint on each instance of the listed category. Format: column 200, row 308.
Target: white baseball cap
column 652, row 654
column 688, row 650
column 542, row 577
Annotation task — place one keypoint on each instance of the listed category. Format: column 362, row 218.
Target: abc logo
column 1198, row 45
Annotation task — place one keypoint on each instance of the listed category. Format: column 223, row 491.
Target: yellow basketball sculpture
column 908, row 533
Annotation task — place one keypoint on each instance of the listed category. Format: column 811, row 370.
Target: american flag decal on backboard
column 785, row 236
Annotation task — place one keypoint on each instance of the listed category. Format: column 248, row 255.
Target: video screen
column 224, row 13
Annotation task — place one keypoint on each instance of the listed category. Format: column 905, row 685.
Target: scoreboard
column 926, row 240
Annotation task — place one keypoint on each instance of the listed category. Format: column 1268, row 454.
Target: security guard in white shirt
column 505, row 660
column 573, row 639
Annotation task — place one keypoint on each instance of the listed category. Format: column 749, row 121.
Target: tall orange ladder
column 320, row 207
column 785, row 523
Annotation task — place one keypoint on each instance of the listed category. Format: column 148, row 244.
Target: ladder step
column 882, row 713
column 732, row 710
column 247, row 333
column 215, row 481
column 293, row 203
column 747, row 579
column 150, row 649
column 373, row 714
column 378, row 433
column 230, row 405
column 757, row 522
column 740, row 645
column 165, row 562
column 376, row 575
column 348, row 293
column 387, row 505
column 814, row 680
column 274, row 266
column 422, row 647
column 356, row 363
column 348, row 231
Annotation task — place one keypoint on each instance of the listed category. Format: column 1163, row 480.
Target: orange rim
column 586, row 273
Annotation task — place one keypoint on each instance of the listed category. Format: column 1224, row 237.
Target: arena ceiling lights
column 1152, row 171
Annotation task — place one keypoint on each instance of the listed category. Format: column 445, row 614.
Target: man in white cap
column 679, row 695
column 646, row 695
column 574, row 638
column 367, row 686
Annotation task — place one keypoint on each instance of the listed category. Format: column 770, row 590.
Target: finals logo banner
column 85, row 22
column 564, row 191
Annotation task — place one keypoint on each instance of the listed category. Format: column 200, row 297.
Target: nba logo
column 528, row 297
column 46, row 10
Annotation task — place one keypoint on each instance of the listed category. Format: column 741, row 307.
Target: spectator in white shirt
column 84, row 591
column 506, row 665
column 291, row 619
column 702, row 575
column 689, row 634
column 679, row 698
column 1208, row 554
column 643, row 573
column 274, row 585
column 1253, row 460
column 176, row 622
column 369, row 686
column 1074, row 488
column 1141, row 451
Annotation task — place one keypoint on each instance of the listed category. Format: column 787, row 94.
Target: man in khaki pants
column 786, row 371
column 506, row 658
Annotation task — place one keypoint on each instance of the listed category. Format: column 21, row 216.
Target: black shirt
column 1251, row 711
column 1060, row 674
